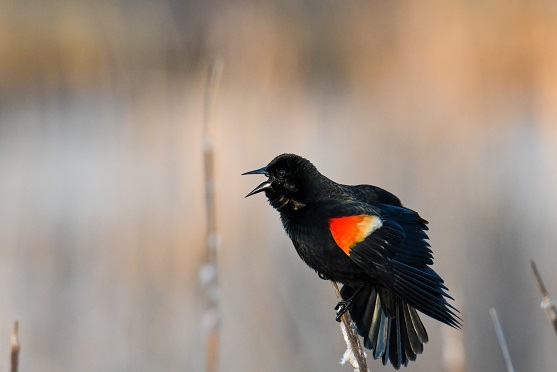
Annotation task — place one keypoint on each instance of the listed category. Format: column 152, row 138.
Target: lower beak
column 264, row 186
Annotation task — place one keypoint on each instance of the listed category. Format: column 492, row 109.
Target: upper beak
column 257, row 171
column 263, row 186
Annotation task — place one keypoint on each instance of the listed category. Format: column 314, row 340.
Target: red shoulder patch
column 350, row 230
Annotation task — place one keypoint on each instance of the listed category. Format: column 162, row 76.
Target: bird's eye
column 281, row 173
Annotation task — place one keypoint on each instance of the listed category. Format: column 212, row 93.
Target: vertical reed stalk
column 16, row 347
column 208, row 274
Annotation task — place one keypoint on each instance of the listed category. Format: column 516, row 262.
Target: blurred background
column 450, row 105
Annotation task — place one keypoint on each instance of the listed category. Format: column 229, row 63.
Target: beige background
column 450, row 105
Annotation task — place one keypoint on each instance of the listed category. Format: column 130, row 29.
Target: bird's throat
column 283, row 203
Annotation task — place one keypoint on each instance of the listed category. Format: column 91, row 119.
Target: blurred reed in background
column 450, row 105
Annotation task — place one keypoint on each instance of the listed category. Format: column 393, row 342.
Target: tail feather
column 417, row 335
column 383, row 340
column 409, row 338
column 390, row 327
column 396, row 350
column 373, row 333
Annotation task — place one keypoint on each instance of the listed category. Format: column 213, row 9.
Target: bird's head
column 289, row 180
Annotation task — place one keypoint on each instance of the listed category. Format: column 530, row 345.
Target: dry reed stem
column 548, row 304
column 351, row 338
column 208, row 273
column 502, row 340
column 16, row 347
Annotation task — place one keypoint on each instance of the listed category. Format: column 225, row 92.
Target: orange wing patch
column 350, row 230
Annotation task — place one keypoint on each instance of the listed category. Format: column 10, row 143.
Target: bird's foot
column 342, row 307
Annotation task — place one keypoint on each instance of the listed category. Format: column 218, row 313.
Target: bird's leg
column 343, row 306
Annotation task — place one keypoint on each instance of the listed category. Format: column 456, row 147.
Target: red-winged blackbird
column 362, row 237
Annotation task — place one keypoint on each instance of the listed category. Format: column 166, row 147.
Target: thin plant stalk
column 352, row 342
column 16, row 347
column 502, row 340
column 548, row 303
column 208, row 273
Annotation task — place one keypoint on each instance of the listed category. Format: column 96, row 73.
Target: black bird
column 362, row 236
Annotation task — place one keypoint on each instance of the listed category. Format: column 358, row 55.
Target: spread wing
column 390, row 243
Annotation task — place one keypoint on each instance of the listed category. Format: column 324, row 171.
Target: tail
column 390, row 327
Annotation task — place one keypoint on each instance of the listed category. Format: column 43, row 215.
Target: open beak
column 263, row 186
